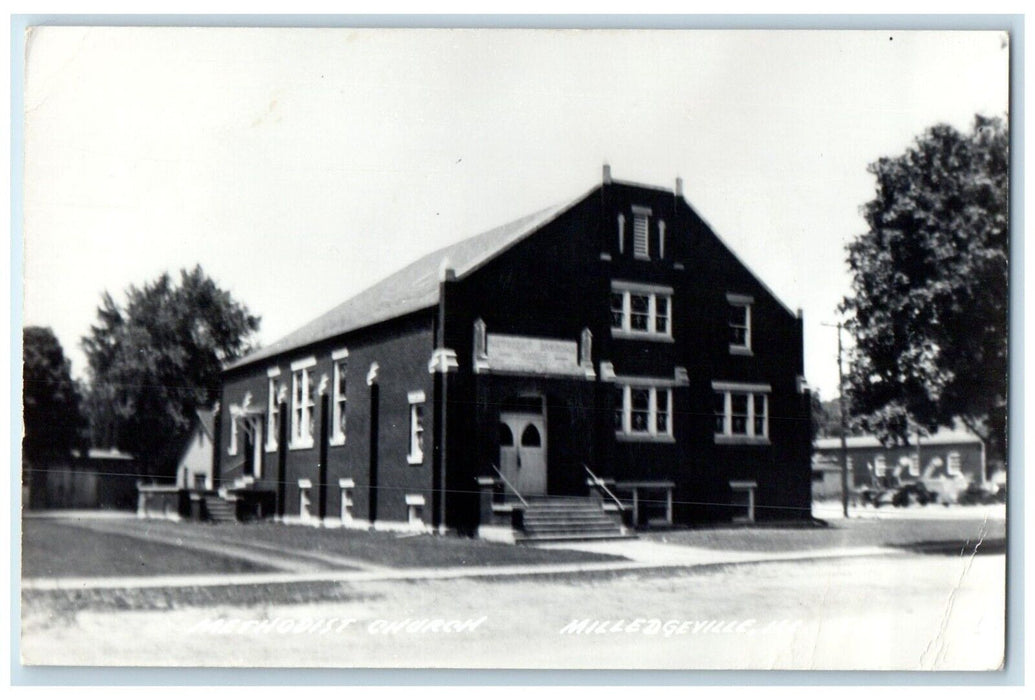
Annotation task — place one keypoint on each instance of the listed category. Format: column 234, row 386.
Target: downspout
column 448, row 275
column 443, row 362
column 282, row 446
column 217, row 443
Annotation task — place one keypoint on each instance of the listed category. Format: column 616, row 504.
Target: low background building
column 946, row 462
column 105, row 479
column 194, row 467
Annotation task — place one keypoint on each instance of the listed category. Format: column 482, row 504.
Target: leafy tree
column 156, row 359
column 928, row 309
column 826, row 418
column 51, row 400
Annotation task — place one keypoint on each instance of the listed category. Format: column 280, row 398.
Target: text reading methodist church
column 602, row 365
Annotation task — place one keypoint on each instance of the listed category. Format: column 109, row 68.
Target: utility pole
column 844, row 418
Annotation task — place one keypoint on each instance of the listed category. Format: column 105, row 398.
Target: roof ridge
column 412, row 287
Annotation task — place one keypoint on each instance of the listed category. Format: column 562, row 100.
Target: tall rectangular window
column 272, row 414
column 641, row 311
column 416, row 452
column 661, row 314
column 741, row 413
column 303, row 401
column 339, row 399
column 739, row 323
column 643, row 412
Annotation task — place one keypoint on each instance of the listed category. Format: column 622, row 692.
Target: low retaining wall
column 168, row 502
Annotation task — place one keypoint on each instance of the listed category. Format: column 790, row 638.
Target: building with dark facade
column 609, row 355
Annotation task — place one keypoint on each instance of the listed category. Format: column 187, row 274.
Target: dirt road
column 910, row 611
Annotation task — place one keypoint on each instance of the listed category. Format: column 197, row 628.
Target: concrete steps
column 220, row 510
column 551, row 519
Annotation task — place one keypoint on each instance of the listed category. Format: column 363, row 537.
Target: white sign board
column 518, row 353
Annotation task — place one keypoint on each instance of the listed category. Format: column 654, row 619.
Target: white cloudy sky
column 299, row 166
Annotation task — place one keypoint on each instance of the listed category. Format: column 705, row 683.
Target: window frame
column 303, row 405
column 745, row 302
column 752, row 392
column 653, row 293
column 414, row 510
column 415, row 453
column 232, row 447
column 272, row 410
column 305, row 501
column 346, row 504
column 339, row 399
column 626, row 432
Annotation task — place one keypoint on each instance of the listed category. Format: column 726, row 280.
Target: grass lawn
column 381, row 548
column 931, row 535
column 56, row 548
column 53, row 549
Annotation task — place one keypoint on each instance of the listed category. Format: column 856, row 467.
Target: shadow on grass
column 956, row 548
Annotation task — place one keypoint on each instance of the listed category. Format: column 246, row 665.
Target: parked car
column 976, row 494
column 874, row 496
column 914, row 493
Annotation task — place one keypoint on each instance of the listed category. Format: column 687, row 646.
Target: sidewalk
column 642, row 555
column 828, row 510
column 650, row 553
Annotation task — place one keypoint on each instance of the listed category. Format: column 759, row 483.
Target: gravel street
column 903, row 611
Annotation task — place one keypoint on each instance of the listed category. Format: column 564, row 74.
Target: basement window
column 415, row 510
column 346, row 486
column 743, row 501
column 305, row 487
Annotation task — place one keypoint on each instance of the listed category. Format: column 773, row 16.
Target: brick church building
column 608, row 360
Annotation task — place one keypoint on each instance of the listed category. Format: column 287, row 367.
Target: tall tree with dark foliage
column 157, row 358
column 928, row 309
column 50, row 398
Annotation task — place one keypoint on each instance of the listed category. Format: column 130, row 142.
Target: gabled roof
column 207, row 421
column 412, row 288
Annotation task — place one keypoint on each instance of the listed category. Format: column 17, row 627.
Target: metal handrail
column 232, row 468
column 510, row 486
column 597, row 481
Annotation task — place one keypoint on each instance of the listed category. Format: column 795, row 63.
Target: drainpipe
column 322, row 469
column 282, row 446
column 443, row 363
column 217, row 443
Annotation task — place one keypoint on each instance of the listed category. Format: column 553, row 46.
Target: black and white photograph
column 515, row 348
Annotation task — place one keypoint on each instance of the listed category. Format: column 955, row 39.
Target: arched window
column 506, row 437
column 530, row 437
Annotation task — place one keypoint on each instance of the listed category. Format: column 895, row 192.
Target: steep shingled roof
column 410, row 289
